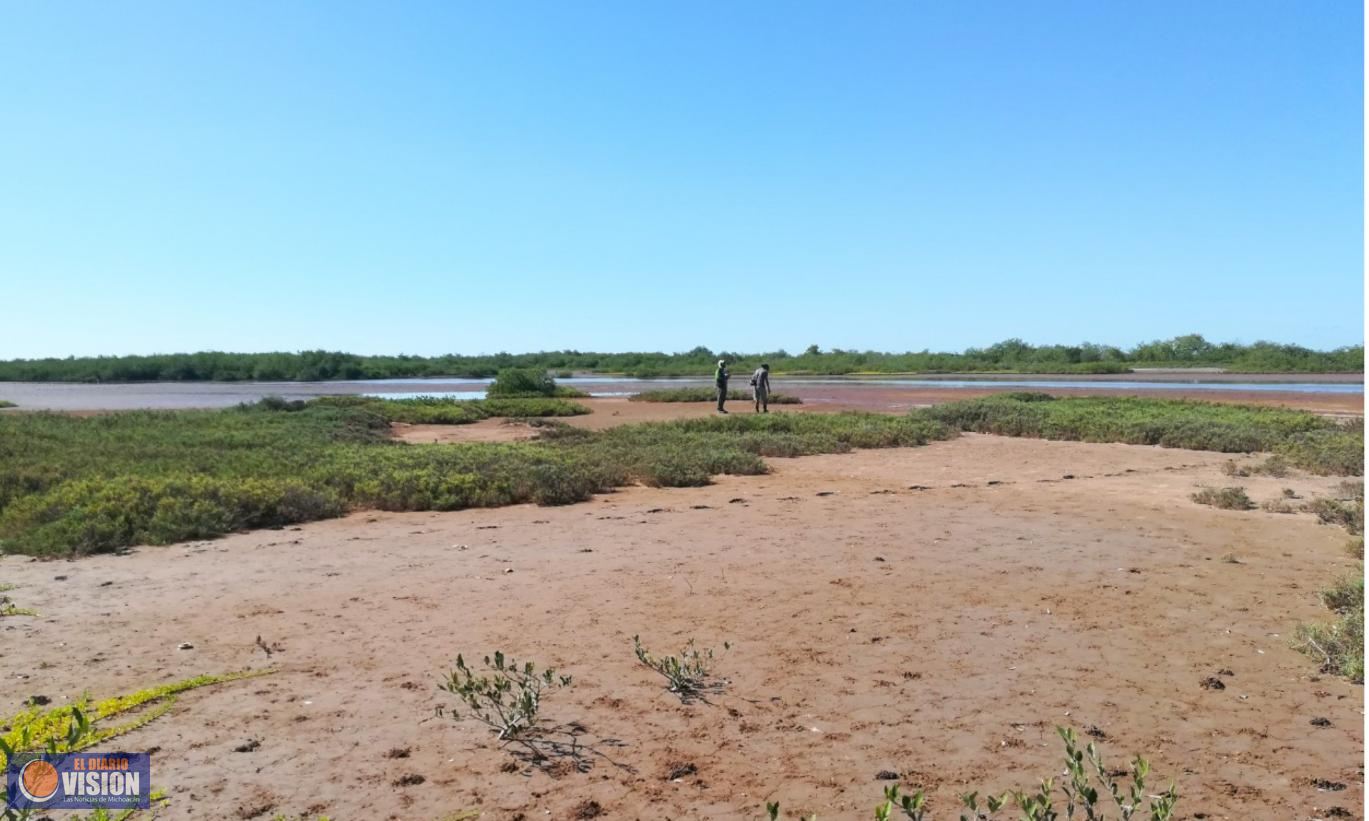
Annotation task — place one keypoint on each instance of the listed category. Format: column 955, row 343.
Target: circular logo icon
column 38, row 781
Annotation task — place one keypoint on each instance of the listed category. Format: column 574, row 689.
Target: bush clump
column 1347, row 514
column 526, row 382
column 1226, row 498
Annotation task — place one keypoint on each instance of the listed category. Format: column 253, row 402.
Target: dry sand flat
column 939, row 632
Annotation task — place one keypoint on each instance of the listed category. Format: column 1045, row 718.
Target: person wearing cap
column 760, row 388
column 720, row 380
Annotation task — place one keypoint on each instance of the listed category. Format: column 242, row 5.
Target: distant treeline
column 1013, row 355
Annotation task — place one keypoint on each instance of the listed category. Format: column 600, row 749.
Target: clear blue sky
column 473, row 177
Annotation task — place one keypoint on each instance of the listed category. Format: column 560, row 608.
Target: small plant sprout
column 688, row 675
column 913, row 806
column 1086, row 784
column 1129, row 798
column 772, row 811
column 508, row 699
column 991, row 805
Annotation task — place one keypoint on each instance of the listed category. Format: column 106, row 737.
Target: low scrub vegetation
column 1226, row 498
column 707, row 394
column 5, row 403
column 1302, row 440
column 72, row 486
column 1280, row 506
column 436, row 410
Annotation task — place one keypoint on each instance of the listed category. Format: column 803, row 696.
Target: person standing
column 760, row 388
column 720, row 381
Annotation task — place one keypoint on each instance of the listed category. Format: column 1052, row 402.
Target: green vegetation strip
column 431, row 410
column 706, row 394
column 1305, row 440
column 73, row 486
column 1010, row 356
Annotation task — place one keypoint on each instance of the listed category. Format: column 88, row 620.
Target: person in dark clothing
column 720, row 380
column 760, row 388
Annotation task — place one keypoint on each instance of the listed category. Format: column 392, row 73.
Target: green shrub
column 1227, row 498
column 521, row 382
column 688, row 675
column 508, row 699
column 5, row 403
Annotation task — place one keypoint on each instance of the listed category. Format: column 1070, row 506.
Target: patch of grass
column 706, row 394
column 1226, row 498
column 5, row 403
column 1350, row 490
column 1339, row 645
column 1276, row 466
column 72, row 486
column 1303, row 440
column 8, row 607
column 1279, row 506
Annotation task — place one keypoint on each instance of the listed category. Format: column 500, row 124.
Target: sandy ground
column 933, row 612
